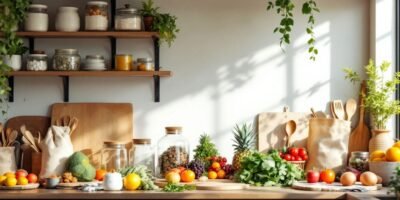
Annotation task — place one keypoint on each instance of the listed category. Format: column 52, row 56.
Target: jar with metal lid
column 123, row 62
column 359, row 160
column 128, row 19
column 37, row 61
column 67, row 19
column 66, row 60
column 96, row 17
column 142, row 153
column 145, row 64
column 114, row 156
column 36, row 18
column 172, row 150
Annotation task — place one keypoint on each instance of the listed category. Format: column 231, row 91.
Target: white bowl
column 384, row 169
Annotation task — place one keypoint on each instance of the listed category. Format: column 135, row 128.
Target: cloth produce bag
column 327, row 143
column 7, row 160
column 56, row 149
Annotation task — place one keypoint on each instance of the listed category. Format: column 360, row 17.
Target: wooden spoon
column 29, row 139
column 351, row 107
column 290, row 129
column 338, row 109
column 74, row 125
column 3, row 136
column 12, row 137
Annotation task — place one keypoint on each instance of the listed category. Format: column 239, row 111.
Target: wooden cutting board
column 271, row 130
column 98, row 122
column 334, row 187
column 21, row 187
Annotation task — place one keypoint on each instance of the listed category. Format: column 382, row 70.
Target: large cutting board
column 334, row 187
column 98, row 122
column 271, row 130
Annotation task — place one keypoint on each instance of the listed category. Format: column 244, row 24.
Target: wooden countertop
column 267, row 193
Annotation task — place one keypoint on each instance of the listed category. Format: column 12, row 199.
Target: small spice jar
column 66, row 60
column 37, row 18
column 123, row 62
column 359, row 160
column 37, row 61
column 145, row 64
column 113, row 156
column 142, row 153
column 172, row 150
column 128, row 19
column 96, row 17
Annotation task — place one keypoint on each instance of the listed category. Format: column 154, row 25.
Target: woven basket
column 299, row 164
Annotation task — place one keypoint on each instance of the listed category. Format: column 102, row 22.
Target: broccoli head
column 79, row 165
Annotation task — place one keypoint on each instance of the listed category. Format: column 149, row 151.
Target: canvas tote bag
column 327, row 143
column 7, row 160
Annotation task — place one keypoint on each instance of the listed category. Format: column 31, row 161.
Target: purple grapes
column 197, row 167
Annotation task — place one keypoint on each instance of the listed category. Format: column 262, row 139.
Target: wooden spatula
column 359, row 138
column 338, row 109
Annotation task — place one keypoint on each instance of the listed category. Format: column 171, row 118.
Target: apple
column 312, row 176
column 21, row 173
column 32, row 178
column 173, row 177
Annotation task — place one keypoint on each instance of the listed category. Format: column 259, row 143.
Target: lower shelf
column 66, row 74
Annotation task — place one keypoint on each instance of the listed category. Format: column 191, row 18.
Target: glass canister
column 37, row 18
column 145, row 64
column 123, row 62
column 114, row 156
column 37, row 61
column 96, row 17
column 66, row 60
column 128, row 19
column 359, row 160
column 67, row 19
column 172, row 150
column 142, row 153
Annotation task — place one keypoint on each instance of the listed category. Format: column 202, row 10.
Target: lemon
column 132, row 181
column 393, row 154
column 22, row 181
column 9, row 175
column 10, row 181
column 378, row 159
column 2, row 179
column 377, row 154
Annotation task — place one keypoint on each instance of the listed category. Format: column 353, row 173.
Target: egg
column 380, row 180
column 369, row 179
column 348, row 179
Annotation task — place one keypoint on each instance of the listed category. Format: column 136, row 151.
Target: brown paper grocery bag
column 327, row 143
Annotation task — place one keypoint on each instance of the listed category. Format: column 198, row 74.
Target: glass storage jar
column 37, row 18
column 142, row 153
column 37, row 61
column 67, row 19
column 172, row 150
column 123, row 62
column 359, row 160
column 145, row 64
column 66, row 60
column 113, row 156
column 128, row 19
column 96, row 17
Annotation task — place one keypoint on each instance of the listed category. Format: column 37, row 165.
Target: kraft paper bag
column 56, row 149
column 7, row 160
column 327, row 144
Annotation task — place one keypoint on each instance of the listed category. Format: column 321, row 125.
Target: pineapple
column 244, row 142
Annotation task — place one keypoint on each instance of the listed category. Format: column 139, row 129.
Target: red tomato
column 294, row 151
column 298, row 158
column 327, row 176
column 305, row 157
column 312, row 176
column 288, row 157
column 302, row 152
column 32, row 178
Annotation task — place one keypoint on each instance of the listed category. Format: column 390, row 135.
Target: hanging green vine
column 285, row 8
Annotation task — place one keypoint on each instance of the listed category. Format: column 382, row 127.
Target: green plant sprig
column 165, row 25
column 309, row 8
column 148, row 8
column 172, row 187
column 285, row 9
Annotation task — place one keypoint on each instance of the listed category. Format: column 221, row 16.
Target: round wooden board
column 334, row 187
column 31, row 186
column 216, row 184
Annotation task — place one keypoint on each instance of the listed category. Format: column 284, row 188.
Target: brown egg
column 379, row 180
column 348, row 179
column 369, row 179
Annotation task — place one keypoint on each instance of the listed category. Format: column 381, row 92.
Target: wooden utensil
column 313, row 113
column 3, row 136
column 338, row 109
column 351, row 107
column 359, row 138
column 73, row 125
column 12, row 137
column 331, row 106
column 290, row 129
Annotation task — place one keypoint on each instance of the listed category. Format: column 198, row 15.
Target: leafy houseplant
column 148, row 12
column 394, row 184
column 165, row 25
column 285, row 8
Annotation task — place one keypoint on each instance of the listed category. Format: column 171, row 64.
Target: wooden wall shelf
column 93, row 73
column 89, row 34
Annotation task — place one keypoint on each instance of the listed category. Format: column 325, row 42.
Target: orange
column 393, row 154
column 216, row 166
column 221, row 174
column 377, row 154
column 378, row 159
column 327, row 176
column 100, row 173
column 187, row 176
column 22, row 181
column 212, row 175
column 397, row 144
column 9, row 175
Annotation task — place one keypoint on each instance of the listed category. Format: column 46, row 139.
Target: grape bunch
column 197, row 166
column 228, row 168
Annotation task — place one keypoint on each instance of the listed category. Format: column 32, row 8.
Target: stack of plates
column 95, row 63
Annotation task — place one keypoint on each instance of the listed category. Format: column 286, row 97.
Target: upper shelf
column 89, row 34
column 94, row 73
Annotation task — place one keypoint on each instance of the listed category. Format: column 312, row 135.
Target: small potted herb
column 394, row 184
column 14, row 49
column 149, row 12
column 165, row 25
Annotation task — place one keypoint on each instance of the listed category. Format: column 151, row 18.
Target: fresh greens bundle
column 267, row 170
column 172, row 187
column 145, row 175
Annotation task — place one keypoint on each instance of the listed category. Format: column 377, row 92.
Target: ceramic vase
column 381, row 140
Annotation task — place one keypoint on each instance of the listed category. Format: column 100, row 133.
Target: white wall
column 227, row 67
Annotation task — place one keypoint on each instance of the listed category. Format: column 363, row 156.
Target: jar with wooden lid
column 172, row 150
column 114, row 156
column 96, row 17
column 37, row 18
column 142, row 153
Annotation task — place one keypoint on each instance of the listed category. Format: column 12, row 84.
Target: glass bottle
column 114, row 156
column 142, row 153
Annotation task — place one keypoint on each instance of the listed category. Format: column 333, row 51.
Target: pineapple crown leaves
column 205, row 148
column 244, row 138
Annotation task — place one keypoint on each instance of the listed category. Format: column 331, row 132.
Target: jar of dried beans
column 172, row 151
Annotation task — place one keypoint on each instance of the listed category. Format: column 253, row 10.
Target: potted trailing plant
column 148, row 12
column 165, row 25
column 12, row 50
column 378, row 101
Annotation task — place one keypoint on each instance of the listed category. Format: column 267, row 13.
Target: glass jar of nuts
column 172, row 151
column 96, row 17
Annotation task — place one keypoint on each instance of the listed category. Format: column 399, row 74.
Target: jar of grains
column 66, row 60
column 172, row 151
column 37, row 61
column 128, row 19
column 359, row 160
column 96, row 18
column 67, row 19
column 37, row 18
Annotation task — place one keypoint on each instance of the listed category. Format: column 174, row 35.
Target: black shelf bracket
column 66, row 88
column 31, row 41
column 156, row 68
column 11, row 85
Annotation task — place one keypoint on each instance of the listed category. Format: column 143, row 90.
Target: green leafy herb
column 145, row 175
column 309, row 7
column 148, row 8
column 172, row 187
column 268, row 170
column 205, row 149
column 165, row 25
column 394, row 184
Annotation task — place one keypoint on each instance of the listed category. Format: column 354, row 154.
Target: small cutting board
column 31, row 186
column 334, row 187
